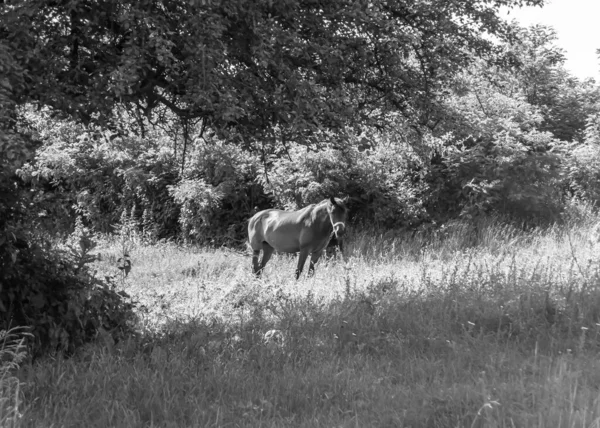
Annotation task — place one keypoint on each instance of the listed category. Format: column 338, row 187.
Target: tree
column 492, row 153
column 14, row 150
column 251, row 69
column 564, row 101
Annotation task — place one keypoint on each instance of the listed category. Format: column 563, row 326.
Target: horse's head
column 337, row 214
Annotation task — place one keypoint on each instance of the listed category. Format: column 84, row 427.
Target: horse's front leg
column 314, row 258
column 301, row 260
column 341, row 247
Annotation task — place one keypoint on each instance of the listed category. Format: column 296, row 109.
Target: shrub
column 219, row 194
column 509, row 176
column 54, row 293
column 582, row 164
column 493, row 159
column 97, row 174
column 381, row 177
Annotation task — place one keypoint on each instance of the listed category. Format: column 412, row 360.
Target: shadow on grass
column 387, row 318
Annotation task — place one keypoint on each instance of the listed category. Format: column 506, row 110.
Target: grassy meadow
column 486, row 327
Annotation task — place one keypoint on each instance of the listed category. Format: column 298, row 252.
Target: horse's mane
column 311, row 211
column 315, row 209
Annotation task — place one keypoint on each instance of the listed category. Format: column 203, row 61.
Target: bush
column 514, row 177
column 493, row 159
column 54, row 293
column 220, row 194
column 381, row 177
column 582, row 164
column 97, row 174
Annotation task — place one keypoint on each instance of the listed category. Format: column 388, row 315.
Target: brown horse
column 307, row 231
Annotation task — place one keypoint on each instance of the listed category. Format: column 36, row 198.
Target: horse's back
column 280, row 229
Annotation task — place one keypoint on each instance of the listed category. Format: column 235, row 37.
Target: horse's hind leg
column 255, row 265
column 267, row 253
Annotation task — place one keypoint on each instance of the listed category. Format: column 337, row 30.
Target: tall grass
column 12, row 354
column 470, row 326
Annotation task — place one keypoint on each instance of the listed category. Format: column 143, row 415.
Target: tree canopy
column 249, row 67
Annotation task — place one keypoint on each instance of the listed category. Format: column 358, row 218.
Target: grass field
column 487, row 328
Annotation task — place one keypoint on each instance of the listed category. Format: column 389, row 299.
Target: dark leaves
column 250, row 67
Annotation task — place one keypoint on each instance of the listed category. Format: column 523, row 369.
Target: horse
column 306, row 231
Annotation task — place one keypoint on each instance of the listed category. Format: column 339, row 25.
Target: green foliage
column 541, row 63
column 493, row 158
column 97, row 173
column 14, row 150
column 273, row 77
column 220, row 194
column 564, row 102
column 582, row 164
column 592, row 128
column 249, row 68
column 575, row 102
column 508, row 177
column 381, row 177
column 498, row 146
column 55, row 294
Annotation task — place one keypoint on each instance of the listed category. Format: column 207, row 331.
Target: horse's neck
column 320, row 216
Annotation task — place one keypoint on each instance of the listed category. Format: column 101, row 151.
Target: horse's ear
column 332, row 200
